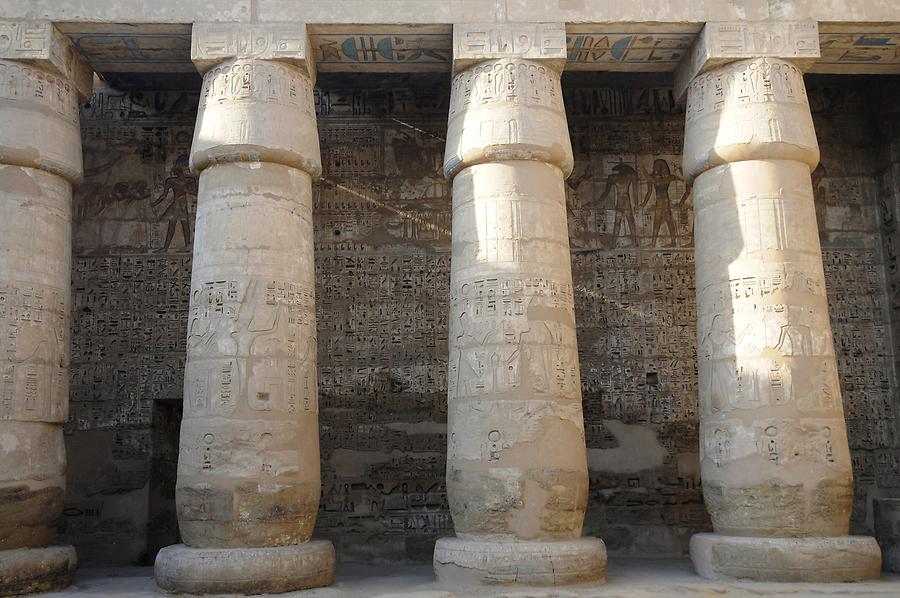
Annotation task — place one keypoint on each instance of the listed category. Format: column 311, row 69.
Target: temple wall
column 130, row 310
column 382, row 218
column 849, row 192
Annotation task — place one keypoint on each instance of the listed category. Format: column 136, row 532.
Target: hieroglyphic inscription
column 744, row 83
column 589, row 47
column 21, row 83
column 382, row 275
column 545, row 42
column 213, row 43
column 39, row 42
column 723, row 42
column 377, row 48
column 500, row 344
column 258, row 80
column 518, row 82
column 864, row 47
column 34, row 337
column 255, row 339
column 382, row 219
column 850, row 204
column 133, row 222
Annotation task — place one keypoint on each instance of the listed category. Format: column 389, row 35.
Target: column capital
column 213, row 43
column 540, row 42
column 40, row 43
column 722, row 42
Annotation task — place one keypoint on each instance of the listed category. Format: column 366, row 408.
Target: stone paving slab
column 627, row 578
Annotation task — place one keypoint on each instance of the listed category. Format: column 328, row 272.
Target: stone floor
column 631, row 578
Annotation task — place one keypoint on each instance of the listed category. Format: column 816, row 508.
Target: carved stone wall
column 850, row 199
column 130, row 282
column 882, row 465
column 382, row 218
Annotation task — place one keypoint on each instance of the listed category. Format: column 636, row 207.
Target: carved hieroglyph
column 248, row 470
column 40, row 159
column 516, row 460
column 774, row 456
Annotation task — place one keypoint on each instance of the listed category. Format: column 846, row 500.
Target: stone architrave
column 517, row 476
column 722, row 42
column 249, row 483
column 40, row 161
column 775, row 462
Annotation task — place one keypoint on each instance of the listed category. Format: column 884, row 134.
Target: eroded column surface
column 40, row 159
column 248, row 471
column 777, row 477
column 517, row 475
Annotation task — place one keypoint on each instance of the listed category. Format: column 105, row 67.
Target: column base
column 528, row 563
column 32, row 570
column 269, row 570
column 820, row 559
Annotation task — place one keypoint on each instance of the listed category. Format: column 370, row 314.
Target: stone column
column 42, row 83
column 517, row 475
column 248, row 470
column 775, row 463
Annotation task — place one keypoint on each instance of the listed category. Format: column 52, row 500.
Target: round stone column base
column 269, row 570
column 32, row 570
column 527, row 563
column 818, row 559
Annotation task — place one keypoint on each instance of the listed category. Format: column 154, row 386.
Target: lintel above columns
column 720, row 43
column 40, row 43
column 214, row 43
column 539, row 42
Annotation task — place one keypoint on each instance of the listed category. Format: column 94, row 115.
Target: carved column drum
column 775, row 461
column 248, row 469
column 40, row 160
column 517, row 475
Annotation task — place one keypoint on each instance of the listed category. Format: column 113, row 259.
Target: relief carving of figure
column 183, row 187
column 719, row 342
column 661, row 178
column 623, row 182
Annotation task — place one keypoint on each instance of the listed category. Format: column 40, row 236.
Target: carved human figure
column 623, row 183
column 661, row 178
column 183, row 187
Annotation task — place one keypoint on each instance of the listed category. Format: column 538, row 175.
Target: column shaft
column 249, row 465
column 40, row 159
column 248, row 469
column 775, row 461
column 516, row 464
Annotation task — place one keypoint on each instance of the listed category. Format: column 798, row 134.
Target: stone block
column 272, row 570
column 471, row 562
column 214, row 43
column 540, row 42
column 41, row 44
column 34, row 570
column 721, row 43
column 819, row 559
